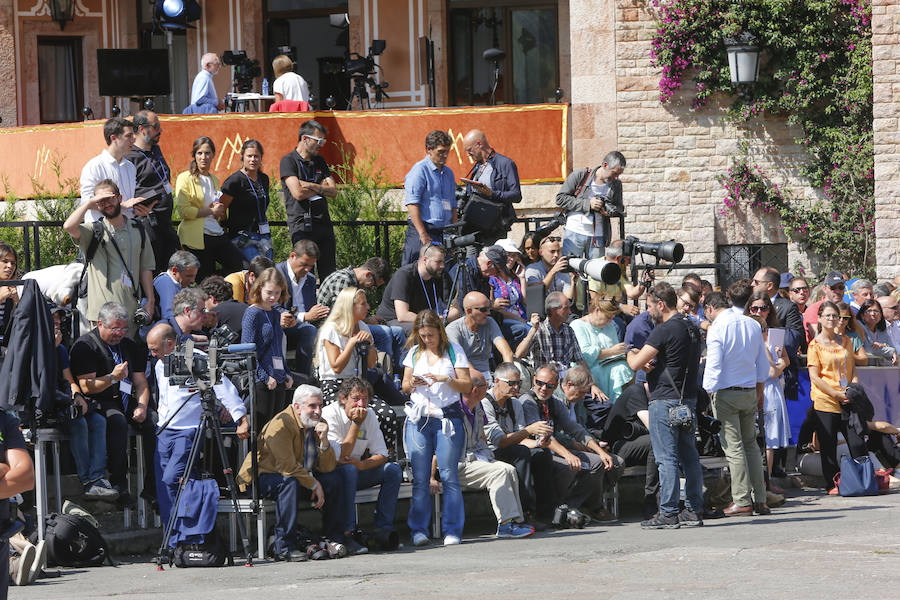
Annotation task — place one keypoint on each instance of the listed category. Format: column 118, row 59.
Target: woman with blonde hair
column 598, row 339
column 288, row 85
column 344, row 349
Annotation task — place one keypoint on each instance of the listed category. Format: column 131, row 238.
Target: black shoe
column 125, row 500
column 710, row 514
column 661, row 521
column 354, row 548
column 688, row 518
column 291, row 556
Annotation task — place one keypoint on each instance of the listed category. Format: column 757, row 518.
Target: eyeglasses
column 894, row 307
column 830, row 317
column 511, row 382
column 797, row 290
column 874, row 312
column 116, row 329
column 755, row 282
column 755, row 308
column 484, row 309
column 688, row 305
column 318, row 140
column 546, row 384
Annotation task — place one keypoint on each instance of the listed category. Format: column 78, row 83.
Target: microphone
column 241, row 347
column 493, row 54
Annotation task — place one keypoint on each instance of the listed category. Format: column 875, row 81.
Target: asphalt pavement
column 815, row 546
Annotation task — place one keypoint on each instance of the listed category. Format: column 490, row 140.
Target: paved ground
column 813, row 547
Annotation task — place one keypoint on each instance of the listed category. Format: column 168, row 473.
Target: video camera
column 363, row 66
column 187, row 369
column 245, row 69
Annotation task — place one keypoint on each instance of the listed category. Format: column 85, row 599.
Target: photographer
column 86, row 428
column 174, row 442
column 188, row 308
column 109, row 368
column 122, row 260
column 590, row 198
column 552, row 269
column 671, row 358
column 495, row 178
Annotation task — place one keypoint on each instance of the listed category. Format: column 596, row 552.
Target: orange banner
column 534, row 136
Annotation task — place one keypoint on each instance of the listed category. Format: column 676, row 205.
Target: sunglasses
column 318, row 140
column 845, row 318
column 797, row 290
column 539, row 383
column 756, row 308
column 552, row 238
column 484, row 309
column 511, row 382
column 837, row 287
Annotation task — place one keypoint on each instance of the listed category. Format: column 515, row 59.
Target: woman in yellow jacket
column 197, row 198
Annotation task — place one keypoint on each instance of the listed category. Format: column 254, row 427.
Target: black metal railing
column 30, row 253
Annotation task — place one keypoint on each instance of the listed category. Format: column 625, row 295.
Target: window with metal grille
column 744, row 260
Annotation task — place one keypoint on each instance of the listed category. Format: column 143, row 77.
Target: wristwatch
column 112, row 379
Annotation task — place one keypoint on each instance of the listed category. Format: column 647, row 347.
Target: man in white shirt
column 112, row 164
column 173, row 444
column 736, row 371
column 891, row 312
column 362, row 462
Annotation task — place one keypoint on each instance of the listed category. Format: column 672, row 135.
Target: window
column 746, row 259
column 525, row 31
column 60, row 79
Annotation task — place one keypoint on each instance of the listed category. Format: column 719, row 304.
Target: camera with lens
column 245, row 69
column 185, row 368
column 681, row 417
column 363, row 348
column 141, row 317
column 612, row 209
column 564, row 516
column 670, row 251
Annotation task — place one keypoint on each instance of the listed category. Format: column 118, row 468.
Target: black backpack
column 210, row 553
column 73, row 542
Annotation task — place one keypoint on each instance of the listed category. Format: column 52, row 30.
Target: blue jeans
column 582, row 246
column 674, row 447
column 88, row 441
column 303, row 337
column 285, row 491
column 332, row 518
column 172, row 449
column 514, row 331
column 388, row 476
column 424, row 440
column 391, row 340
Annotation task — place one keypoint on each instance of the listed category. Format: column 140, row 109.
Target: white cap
column 509, row 245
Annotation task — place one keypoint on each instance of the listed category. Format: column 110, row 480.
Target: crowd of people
column 450, row 374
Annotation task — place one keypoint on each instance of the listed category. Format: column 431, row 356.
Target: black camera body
column 141, row 317
column 564, row 517
column 245, row 69
column 612, row 209
column 681, row 417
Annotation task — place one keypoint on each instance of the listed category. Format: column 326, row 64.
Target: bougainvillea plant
column 815, row 72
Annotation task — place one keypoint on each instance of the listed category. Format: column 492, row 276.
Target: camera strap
column 134, row 287
column 672, row 381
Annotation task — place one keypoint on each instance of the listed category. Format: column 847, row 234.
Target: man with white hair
column 891, row 312
column 861, row 290
column 296, row 461
column 203, row 91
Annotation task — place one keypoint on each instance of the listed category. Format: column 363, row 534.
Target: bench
column 267, row 507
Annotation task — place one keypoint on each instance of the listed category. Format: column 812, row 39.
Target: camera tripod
column 209, row 421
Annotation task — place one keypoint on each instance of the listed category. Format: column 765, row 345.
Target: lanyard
column 164, row 176
column 117, row 358
column 434, row 289
column 259, row 209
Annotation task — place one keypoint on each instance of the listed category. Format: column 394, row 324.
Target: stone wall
column 886, row 71
column 674, row 153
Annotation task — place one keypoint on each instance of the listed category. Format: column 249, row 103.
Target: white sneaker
column 23, row 566
column 40, row 561
column 451, row 540
column 97, row 491
column 420, row 539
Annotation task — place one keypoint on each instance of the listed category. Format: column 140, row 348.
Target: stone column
column 886, row 110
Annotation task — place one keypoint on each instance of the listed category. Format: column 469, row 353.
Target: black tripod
column 208, row 422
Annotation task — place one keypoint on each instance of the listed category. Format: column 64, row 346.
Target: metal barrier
column 30, row 253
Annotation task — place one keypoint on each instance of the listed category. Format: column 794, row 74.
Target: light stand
column 494, row 55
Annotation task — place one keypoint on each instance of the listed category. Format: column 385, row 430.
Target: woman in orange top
column 832, row 367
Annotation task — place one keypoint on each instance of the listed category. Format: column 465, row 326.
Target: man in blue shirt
column 203, row 91
column 430, row 197
column 182, row 272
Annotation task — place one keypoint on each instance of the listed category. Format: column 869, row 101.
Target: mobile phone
column 467, row 180
column 151, row 200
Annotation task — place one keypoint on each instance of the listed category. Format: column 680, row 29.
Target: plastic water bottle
column 397, row 382
column 265, row 87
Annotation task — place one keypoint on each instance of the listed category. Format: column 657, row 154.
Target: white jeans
column 501, row 482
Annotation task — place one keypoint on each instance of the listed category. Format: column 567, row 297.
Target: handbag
column 857, row 477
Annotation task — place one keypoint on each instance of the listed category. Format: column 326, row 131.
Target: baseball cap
column 834, row 278
column 510, row 246
column 786, row 279
column 497, row 255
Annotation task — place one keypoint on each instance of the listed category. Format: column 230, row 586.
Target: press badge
column 278, row 363
column 264, row 228
column 125, row 387
column 446, row 204
column 126, row 280
column 843, row 382
column 167, row 187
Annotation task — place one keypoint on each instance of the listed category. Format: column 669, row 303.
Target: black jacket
column 30, row 369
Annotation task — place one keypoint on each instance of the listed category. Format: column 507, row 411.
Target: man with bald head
column 203, row 91
column 496, row 177
column 477, row 334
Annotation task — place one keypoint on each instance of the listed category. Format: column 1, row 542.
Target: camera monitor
column 133, row 72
